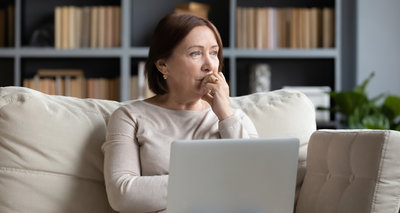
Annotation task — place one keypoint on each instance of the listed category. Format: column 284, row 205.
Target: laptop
column 233, row 175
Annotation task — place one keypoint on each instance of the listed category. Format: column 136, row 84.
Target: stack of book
column 270, row 28
column 7, row 25
column 73, row 83
column 87, row 27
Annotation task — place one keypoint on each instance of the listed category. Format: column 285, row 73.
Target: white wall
column 378, row 45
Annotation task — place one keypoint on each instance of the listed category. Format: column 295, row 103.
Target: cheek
column 216, row 63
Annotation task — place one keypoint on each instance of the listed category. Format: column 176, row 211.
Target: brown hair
column 170, row 31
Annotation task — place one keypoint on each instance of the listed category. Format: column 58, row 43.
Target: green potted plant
column 361, row 112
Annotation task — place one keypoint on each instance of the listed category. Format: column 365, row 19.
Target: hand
column 216, row 93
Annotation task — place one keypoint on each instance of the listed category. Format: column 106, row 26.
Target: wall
column 378, row 45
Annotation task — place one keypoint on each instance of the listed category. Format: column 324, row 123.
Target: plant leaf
column 346, row 102
column 376, row 121
column 397, row 127
column 361, row 88
column 393, row 103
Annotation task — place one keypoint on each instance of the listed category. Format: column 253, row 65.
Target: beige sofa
column 50, row 157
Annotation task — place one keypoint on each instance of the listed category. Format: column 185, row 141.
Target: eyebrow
column 199, row 46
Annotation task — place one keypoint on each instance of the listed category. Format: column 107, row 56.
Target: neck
column 170, row 101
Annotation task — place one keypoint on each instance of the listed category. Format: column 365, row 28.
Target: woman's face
column 194, row 58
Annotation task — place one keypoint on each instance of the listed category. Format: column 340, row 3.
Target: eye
column 214, row 52
column 195, row 53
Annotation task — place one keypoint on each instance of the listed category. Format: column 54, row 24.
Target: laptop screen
column 233, row 175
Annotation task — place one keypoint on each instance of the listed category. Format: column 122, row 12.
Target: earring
column 165, row 76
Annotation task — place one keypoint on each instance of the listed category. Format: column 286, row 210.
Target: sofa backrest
column 50, row 156
column 352, row 171
column 282, row 113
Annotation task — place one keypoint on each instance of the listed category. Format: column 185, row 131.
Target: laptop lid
column 233, row 175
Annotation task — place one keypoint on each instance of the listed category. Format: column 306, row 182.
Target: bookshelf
column 290, row 67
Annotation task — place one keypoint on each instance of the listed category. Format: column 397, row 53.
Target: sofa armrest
column 352, row 171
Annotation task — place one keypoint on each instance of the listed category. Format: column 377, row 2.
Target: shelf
column 51, row 52
column 282, row 53
column 143, row 52
column 306, row 67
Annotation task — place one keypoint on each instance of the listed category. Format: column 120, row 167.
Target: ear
column 161, row 66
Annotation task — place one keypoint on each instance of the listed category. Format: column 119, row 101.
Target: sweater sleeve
column 127, row 190
column 238, row 125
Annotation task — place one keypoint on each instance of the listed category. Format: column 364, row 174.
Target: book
column 272, row 34
column 65, row 27
column 57, row 27
column 328, row 26
column 108, row 30
column 78, row 27
column 114, row 27
column 117, row 25
column 71, row 27
column 294, row 25
column 282, row 28
column 102, row 27
column 314, row 27
column 239, row 27
column 265, row 22
column 94, row 30
column 259, row 28
column 85, row 38
column 251, row 28
column 244, row 30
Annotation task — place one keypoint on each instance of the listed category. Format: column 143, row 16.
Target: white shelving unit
column 134, row 49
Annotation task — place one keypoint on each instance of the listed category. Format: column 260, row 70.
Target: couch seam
column 14, row 170
column 377, row 186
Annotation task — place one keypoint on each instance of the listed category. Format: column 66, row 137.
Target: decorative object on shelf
column 381, row 112
column 139, row 86
column 43, row 36
column 319, row 96
column 260, row 78
column 195, row 8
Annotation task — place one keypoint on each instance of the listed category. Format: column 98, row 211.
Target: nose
column 207, row 65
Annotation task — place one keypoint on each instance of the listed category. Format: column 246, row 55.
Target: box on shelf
column 195, row 8
column 319, row 96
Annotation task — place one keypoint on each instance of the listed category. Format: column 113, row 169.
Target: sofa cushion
column 352, row 171
column 50, row 157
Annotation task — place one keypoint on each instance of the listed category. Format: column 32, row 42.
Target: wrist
column 225, row 115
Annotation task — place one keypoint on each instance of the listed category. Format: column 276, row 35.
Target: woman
column 191, row 102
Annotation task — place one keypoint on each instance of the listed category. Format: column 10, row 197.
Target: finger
column 207, row 97
column 210, row 86
column 212, row 79
column 222, row 75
